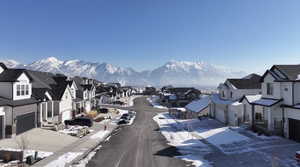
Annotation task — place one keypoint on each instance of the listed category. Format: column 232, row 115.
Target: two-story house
column 225, row 106
column 18, row 110
column 86, row 93
column 277, row 110
column 55, row 97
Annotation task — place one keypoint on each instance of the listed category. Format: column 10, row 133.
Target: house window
column 286, row 89
column 18, row 90
column 231, row 94
column 27, row 89
column 223, row 94
column 22, row 90
column 258, row 116
column 269, row 89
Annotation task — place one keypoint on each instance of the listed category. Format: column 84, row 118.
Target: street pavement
column 138, row 145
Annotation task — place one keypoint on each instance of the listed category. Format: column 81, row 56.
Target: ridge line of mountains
column 177, row 73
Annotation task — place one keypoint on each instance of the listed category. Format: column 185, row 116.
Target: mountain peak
column 183, row 73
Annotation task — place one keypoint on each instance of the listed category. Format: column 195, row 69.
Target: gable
column 23, row 78
column 67, row 94
column 269, row 78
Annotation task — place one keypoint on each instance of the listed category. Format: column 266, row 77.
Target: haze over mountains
column 179, row 73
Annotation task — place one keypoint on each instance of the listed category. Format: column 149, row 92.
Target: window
column 223, row 94
column 22, row 90
column 27, row 90
column 269, row 89
column 286, row 89
column 231, row 94
column 18, row 90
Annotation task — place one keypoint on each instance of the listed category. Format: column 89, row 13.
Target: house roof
column 251, row 81
column 198, row 105
column 290, row 71
column 15, row 103
column 215, row 98
column 261, row 101
column 11, row 75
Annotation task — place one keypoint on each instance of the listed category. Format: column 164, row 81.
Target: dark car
column 125, row 117
column 81, row 121
column 103, row 110
column 122, row 121
column 118, row 102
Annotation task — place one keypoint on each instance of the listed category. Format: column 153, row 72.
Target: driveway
column 138, row 145
column 41, row 140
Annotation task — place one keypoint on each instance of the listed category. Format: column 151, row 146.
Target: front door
column 294, row 127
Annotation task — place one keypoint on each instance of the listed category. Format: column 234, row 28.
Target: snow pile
column 153, row 101
column 64, row 159
column 100, row 134
column 85, row 161
column 191, row 148
column 198, row 105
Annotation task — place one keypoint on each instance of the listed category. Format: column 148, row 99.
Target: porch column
column 46, row 109
column 52, row 108
column 41, row 112
column 251, row 116
column 269, row 118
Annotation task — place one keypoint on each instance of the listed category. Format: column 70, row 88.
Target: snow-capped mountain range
column 180, row 73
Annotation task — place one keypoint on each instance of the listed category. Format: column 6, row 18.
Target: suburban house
column 277, row 110
column 18, row 110
column 179, row 96
column 55, row 97
column 225, row 105
column 85, row 94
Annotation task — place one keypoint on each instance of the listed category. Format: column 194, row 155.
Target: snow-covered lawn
column 100, row 134
column 221, row 136
column 191, row 148
column 153, row 101
column 64, row 159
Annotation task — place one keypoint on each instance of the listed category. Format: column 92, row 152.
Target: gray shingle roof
column 251, row 81
column 11, row 75
column 290, row 71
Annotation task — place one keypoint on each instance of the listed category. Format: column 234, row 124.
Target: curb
column 89, row 150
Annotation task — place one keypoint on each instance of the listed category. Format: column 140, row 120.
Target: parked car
column 103, row 110
column 122, row 122
column 126, row 117
column 118, row 102
column 81, row 121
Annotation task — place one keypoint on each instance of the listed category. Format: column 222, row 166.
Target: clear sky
column 242, row 34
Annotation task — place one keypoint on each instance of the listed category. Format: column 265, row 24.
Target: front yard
column 208, row 143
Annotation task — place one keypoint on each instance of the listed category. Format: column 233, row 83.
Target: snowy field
column 209, row 143
column 153, row 101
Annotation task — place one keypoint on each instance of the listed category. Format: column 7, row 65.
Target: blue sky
column 143, row 34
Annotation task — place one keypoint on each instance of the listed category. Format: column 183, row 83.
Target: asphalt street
column 138, row 145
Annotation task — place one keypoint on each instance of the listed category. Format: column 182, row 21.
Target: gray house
column 18, row 110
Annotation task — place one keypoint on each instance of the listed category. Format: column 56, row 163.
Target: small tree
column 22, row 143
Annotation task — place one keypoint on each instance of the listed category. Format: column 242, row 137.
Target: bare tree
column 22, row 143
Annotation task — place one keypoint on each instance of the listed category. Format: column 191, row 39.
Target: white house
column 277, row 110
column 225, row 106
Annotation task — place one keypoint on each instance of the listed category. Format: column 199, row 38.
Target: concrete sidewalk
column 83, row 145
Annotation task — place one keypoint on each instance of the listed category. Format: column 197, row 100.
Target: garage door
column 1, row 127
column 25, row 122
column 232, row 118
column 220, row 115
column 294, row 127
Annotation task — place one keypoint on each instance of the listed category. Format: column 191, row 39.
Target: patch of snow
column 27, row 152
column 222, row 136
column 191, row 148
column 100, row 134
column 85, row 161
column 266, row 102
column 64, row 159
column 252, row 98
